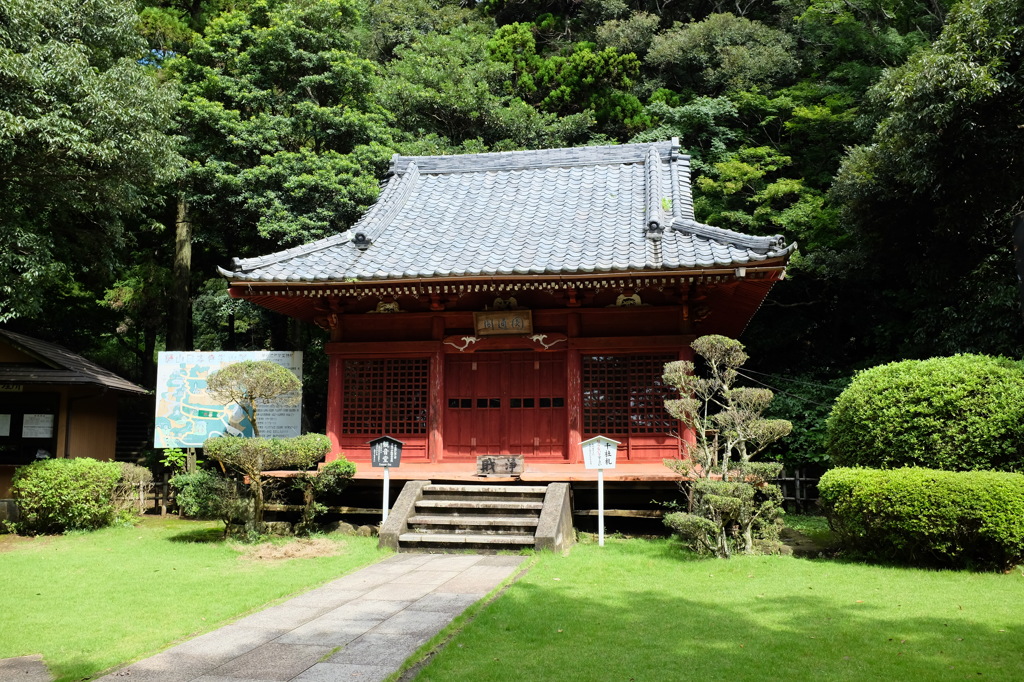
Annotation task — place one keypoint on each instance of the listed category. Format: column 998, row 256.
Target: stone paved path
column 359, row 627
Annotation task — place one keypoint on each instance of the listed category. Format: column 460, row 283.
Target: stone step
column 448, row 539
column 483, row 505
column 476, row 520
column 486, row 489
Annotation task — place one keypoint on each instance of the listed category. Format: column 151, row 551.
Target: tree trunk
column 178, row 337
column 148, row 361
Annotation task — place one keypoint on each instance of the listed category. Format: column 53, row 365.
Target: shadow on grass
column 710, row 625
column 202, row 535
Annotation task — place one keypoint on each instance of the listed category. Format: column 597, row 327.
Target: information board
column 186, row 415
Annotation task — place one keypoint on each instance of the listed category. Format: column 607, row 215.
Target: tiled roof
column 610, row 209
column 57, row 365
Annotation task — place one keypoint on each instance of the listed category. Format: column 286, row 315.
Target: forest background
column 142, row 145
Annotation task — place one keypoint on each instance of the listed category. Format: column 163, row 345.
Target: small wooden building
column 54, row 403
column 518, row 303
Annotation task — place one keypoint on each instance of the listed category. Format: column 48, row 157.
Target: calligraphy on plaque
column 503, row 322
column 500, row 465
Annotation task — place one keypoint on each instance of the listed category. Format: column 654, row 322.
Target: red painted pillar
column 686, row 430
column 435, row 419
column 435, row 410
column 574, row 392
column 335, row 395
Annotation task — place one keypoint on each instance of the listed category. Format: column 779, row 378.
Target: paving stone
column 169, row 666
column 378, row 626
column 399, row 592
column 383, row 649
column 25, row 669
column 342, row 672
column 326, row 598
column 414, row 623
column 229, row 641
column 452, row 562
column 367, row 609
column 425, row 576
column 274, row 661
column 501, row 560
column 450, row 602
column 283, row 616
column 323, row 632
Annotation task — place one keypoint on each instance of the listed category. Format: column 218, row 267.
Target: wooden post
column 387, row 494
column 335, row 398
column 435, row 408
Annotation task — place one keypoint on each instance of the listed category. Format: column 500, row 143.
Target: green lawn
column 643, row 610
column 90, row 601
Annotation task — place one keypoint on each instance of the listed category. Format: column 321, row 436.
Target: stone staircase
column 484, row 518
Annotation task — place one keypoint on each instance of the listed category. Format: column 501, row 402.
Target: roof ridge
column 241, row 264
column 390, row 201
column 536, row 158
column 720, row 234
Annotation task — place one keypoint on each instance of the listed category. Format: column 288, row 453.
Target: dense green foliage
column 83, row 143
column 958, row 413
column 928, row 517
column 200, row 494
column 883, row 137
column 58, row 495
column 319, row 486
column 252, row 457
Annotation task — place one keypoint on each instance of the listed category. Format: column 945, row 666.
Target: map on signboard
column 186, row 415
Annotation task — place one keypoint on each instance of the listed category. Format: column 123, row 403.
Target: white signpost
column 386, row 452
column 599, row 453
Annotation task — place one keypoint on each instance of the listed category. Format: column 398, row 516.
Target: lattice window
column 624, row 394
column 388, row 396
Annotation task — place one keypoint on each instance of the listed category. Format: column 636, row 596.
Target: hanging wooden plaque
column 503, row 322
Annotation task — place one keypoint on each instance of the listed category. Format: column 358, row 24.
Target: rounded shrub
column 928, row 517
column 964, row 412
column 200, row 494
column 57, row 495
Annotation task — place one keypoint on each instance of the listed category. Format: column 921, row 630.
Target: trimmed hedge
column 972, row 519
column 960, row 413
column 301, row 452
column 58, row 495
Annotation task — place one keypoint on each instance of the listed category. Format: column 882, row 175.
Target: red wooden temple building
column 518, row 303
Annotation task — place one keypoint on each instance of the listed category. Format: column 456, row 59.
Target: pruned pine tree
column 252, row 382
column 732, row 502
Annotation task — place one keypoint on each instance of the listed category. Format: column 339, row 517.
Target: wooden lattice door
column 624, row 399
column 505, row 403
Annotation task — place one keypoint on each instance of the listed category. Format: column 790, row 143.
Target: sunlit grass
column 814, row 527
column 90, row 601
column 645, row 610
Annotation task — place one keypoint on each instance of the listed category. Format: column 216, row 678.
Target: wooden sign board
column 495, row 322
column 599, row 452
column 11, row 388
column 385, row 452
column 500, row 465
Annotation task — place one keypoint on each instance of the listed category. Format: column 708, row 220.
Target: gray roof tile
column 551, row 211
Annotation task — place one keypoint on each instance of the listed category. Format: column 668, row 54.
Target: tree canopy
column 141, row 147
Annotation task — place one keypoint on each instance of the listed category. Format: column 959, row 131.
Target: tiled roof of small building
column 608, row 209
column 57, row 365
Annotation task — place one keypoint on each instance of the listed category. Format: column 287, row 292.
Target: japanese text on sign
column 503, row 322
column 385, row 452
column 599, row 453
